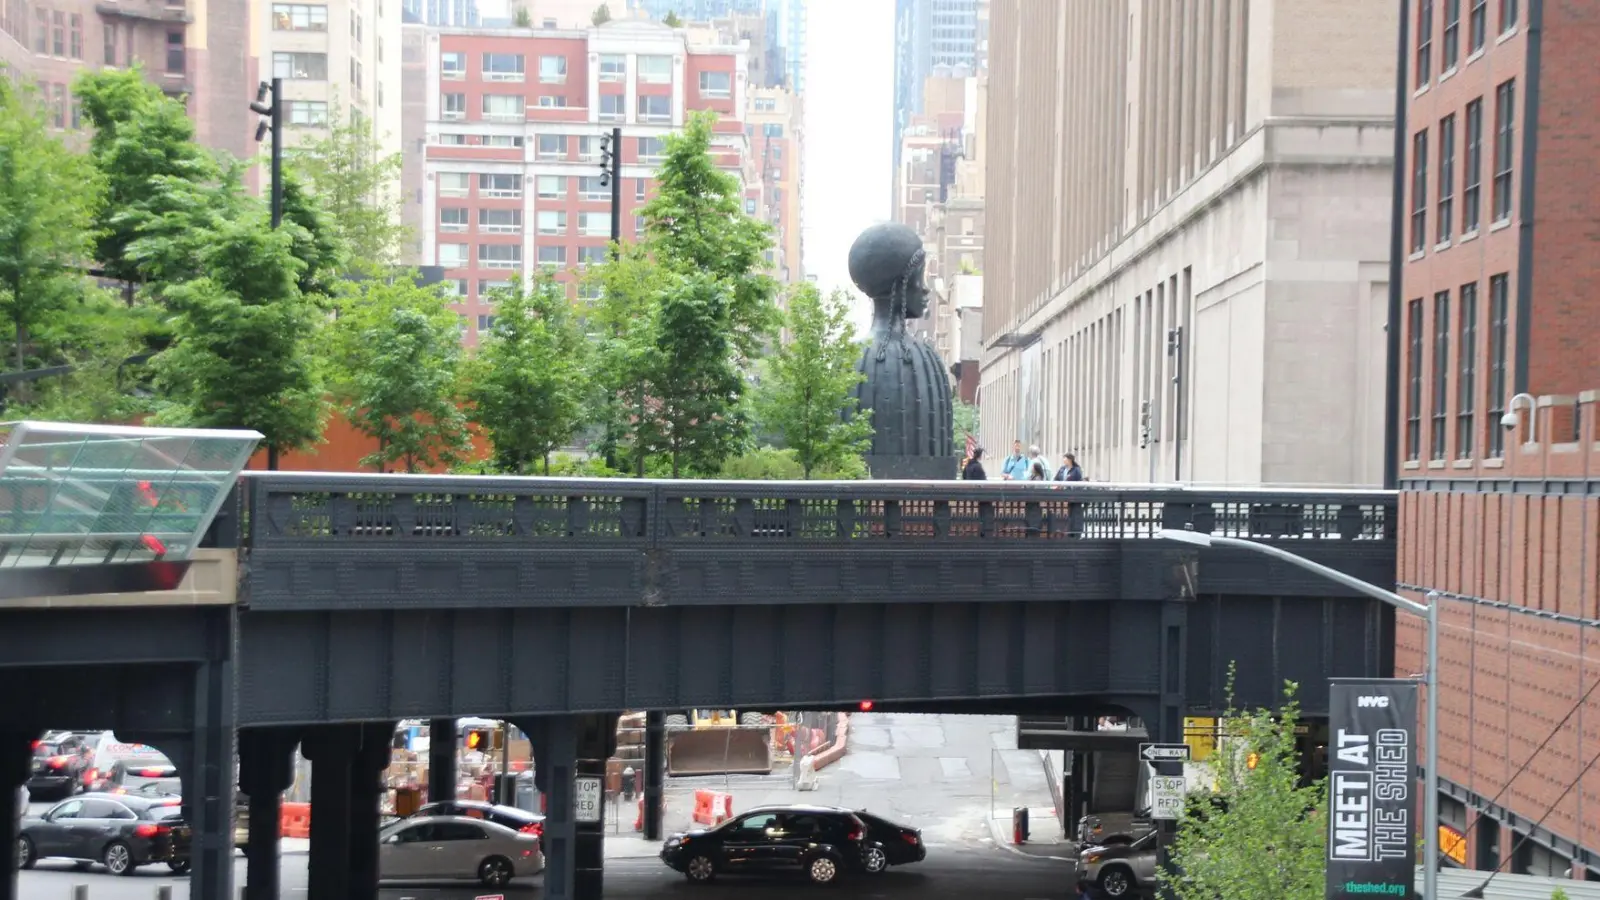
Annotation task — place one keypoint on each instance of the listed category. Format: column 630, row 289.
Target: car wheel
column 874, row 861
column 1116, row 883
column 179, row 867
column 700, row 869
column 822, row 870
column 495, row 871
column 118, row 859
column 25, row 853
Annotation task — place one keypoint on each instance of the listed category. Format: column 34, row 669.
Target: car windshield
column 165, row 785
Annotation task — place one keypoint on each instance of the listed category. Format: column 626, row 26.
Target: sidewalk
column 1045, row 839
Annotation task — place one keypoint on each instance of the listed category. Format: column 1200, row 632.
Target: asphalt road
column 988, row 873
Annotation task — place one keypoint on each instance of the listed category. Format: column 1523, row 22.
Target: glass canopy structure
column 90, row 495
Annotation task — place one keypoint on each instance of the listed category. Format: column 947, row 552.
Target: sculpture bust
column 906, row 386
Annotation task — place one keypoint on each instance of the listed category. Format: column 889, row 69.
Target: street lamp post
column 1428, row 611
column 269, row 105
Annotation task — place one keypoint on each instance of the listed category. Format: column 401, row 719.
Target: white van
column 106, row 751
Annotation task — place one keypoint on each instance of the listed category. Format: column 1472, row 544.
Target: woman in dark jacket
column 974, row 468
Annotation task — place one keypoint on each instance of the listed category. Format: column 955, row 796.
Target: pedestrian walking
column 973, row 470
column 1015, row 467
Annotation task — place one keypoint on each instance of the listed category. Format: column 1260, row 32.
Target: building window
column 551, row 101
column 175, row 54
column 1424, row 43
column 452, row 256
column 749, row 206
column 489, row 288
column 453, row 184
column 454, row 287
column 41, row 31
column 453, row 219
column 299, row 17
column 111, row 43
column 1466, row 378
column 553, row 69
column 77, row 113
column 552, row 187
column 651, row 149
column 75, row 36
column 1505, row 101
column 503, row 108
column 58, row 34
column 500, row 221
column 589, row 256
column 312, row 113
column 552, row 221
column 1508, row 15
column 613, row 107
column 1447, row 178
column 640, row 187
column 1477, row 25
column 655, row 108
column 716, row 84
column 552, row 255
column 639, row 227
column 499, row 186
column 773, row 130
column 1471, row 179
column 502, row 140
column 613, row 67
column 1499, row 320
column 502, row 67
column 589, row 148
column 593, row 224
column 355, row 27
column 1450, row 41
column 452, row 66
column 500, row 256
column 355, row 74
column 552, row 146
column 655, row 70
column 1441, row 371
column 1413, row 380
column 58, row 105
column 300, row 66
column 1419, row 191
column 590, row 188
column 486, row 322
column 451, row 139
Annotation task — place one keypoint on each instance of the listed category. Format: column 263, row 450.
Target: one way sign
column 1164, row 752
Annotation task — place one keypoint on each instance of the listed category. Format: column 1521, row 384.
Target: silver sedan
column 456, row 847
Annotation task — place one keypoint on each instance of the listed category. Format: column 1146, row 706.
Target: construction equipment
column 719, row 742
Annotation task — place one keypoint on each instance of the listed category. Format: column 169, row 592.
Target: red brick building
column 514, row 119
column 1500, row 300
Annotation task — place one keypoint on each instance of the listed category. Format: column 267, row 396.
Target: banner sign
column 1372, row 753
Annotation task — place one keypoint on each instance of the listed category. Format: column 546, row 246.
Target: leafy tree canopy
column 355, row 186
column 806, row 395
column 695, row 413
column 601, row 15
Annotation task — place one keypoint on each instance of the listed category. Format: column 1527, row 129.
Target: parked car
column 511, row 817
column 1120, row 869
column 456, row 847
column 822, row 842
column 120, row 831
column 888, row 844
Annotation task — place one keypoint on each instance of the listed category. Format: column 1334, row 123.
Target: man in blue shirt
column 1016, row 465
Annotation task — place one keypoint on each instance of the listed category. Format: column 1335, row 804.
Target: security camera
column 1510, row 421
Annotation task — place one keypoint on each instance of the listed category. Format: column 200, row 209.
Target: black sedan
column 888, row 844
column 59, row 763
column 120, row 831
column 820, row 842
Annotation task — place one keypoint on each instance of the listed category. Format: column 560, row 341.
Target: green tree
column 242, row 357
column 695, row 414
column 621, row 327
column 1264, row 836
column 601, row 15
column 356, row 186
column 397, row 355
column 696, row 224
column 522, row 18
column 966, row 422
column 806, row 396
column 526, row 384
column 315, row 240
column 671, row 20
column 49, row 197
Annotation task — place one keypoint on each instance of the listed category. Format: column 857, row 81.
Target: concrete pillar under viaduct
column 565, row 749
column 346, row 765
column 266, row 770
column 441, row 760
column 16, row 752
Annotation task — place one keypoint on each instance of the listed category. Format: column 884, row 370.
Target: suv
column 1119, row 869
column 821, row 842
column 120, row 831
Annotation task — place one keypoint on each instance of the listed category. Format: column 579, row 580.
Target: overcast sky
column 849, row 120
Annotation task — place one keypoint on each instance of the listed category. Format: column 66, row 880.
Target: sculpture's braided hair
column 897, row 305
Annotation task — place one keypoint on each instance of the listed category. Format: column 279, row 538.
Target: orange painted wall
column 342, row 449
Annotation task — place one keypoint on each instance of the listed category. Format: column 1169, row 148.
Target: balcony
column 500, row 193
column 453, row 227
column 499, row 263
column 453, row 115
column 499, row 229
column 148, row 10
column 513, row 77
column 519, row 116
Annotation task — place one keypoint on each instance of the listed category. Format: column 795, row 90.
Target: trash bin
column 1019, row 825
column 527, row 793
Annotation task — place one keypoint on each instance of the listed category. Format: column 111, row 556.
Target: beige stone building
column 1187, row 236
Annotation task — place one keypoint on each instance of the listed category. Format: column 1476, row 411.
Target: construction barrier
column 720, row 751
column 712, row 807
column 295, row 820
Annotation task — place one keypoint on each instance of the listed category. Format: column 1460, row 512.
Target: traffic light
column 480, row 739
column 866, row 706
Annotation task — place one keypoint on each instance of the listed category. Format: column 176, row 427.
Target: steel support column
column 370, row 758
column 332, row 750
column 209, row 784
column 16, row 752
column 266, row 770
column 441, row 760
column 655, row 772
column 1168, row 726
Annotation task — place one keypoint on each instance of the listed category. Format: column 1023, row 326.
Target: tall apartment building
column 773, row 123
column 336, row 58
column 929, row 35
column 1500, row 315
column 513, row 122
column 447, row 13
column 792, row 38
column 195, row 50
column 1187, row 242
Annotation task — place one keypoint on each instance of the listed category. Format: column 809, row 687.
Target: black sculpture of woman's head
column 886, row 263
